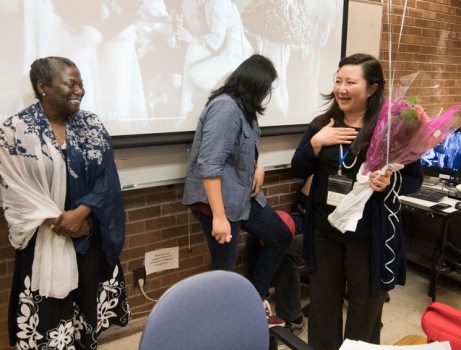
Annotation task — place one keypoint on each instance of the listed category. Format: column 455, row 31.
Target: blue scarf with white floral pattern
column 92, row 175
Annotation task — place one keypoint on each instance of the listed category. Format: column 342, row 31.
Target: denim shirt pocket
column 246, row 150
column 247, row 142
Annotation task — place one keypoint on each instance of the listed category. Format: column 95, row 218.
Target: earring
column 43, row 94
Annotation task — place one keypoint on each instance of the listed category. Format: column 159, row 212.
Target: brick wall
column 431, row 43
column 155, row 218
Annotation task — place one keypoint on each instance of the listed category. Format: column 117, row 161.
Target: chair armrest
column 286, row 337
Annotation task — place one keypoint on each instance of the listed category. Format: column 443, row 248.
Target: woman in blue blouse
column 63, row 204
column 224, row 180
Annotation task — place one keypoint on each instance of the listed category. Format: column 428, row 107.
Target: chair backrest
column 209, row 311
column 447, row 253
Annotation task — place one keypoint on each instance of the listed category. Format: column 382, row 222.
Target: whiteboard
column 364, row 27
column 163, row 165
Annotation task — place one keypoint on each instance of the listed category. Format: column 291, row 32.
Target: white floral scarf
column 33, row 174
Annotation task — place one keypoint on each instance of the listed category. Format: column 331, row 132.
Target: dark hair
column 373, row 74
column 43, row 70
column 249, row 84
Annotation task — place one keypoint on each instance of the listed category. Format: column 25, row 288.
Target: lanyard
column 342, row 159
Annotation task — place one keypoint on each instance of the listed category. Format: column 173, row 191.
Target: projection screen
column 148, row 66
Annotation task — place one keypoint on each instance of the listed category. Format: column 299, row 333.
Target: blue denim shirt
column 226, row 146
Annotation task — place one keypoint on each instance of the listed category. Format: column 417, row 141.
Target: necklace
column 342, row 160
column 349, row 166
column 354, row 122
column 60, row 140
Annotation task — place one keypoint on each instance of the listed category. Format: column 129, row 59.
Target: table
column 412, row 340
column 422, row 226
column 423, row 206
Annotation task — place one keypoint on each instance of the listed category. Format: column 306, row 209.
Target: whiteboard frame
column 364, row 24
column 175, row 138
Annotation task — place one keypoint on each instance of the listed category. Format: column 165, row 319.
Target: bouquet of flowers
column 403, row 133
column 412, row 132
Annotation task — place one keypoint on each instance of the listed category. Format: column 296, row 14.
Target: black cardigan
column 384, row 276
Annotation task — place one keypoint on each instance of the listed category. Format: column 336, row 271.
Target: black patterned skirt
column 74, row 322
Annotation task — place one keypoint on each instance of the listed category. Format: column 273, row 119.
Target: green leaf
column 409, row 115
column 413, row 100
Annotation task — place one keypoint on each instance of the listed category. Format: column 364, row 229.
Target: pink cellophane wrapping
column 408, row 140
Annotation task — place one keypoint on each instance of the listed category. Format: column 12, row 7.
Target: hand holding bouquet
column 403, row 133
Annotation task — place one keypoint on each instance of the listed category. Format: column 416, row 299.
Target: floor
column 402, row 315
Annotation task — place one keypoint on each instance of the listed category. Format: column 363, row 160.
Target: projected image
column 149, row 65
column 446, row 155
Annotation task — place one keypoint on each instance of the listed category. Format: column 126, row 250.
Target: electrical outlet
column 138, row 274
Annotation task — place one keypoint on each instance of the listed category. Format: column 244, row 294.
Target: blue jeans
column 264, row 224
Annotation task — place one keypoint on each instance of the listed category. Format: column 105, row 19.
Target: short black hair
column 45, row 69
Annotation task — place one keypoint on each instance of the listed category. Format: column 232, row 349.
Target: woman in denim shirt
column 224, row 180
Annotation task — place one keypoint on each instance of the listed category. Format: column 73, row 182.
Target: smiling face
column 63, row 96
column 352, row 90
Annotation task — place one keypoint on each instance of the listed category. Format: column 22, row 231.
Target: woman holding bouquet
column 332, row 150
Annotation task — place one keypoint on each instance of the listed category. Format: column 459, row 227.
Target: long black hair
column 373, row 74
column 45, row 69
column 249, row 84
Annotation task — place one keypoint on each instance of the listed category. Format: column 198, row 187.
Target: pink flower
column 398, row 105
column 422, row 114
column 412, row 133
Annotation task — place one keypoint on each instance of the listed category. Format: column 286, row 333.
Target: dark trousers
column 263, row 223
column 286, row 280
column 342, row 259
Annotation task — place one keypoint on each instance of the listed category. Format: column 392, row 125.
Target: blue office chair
column 209, row 311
